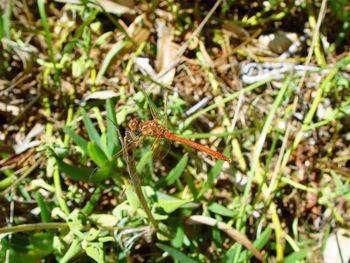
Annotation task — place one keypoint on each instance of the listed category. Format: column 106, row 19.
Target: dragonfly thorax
column 152, row 129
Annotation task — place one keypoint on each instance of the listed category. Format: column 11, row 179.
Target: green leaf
column 73, row 250
column 102, row 39
column 6, row 182
column 96, row 154
column 31, row 248
column 146, row 158
column 110, row 55
column 112, row 135
column 262, row 240
column 44, row 210
column 104, row 220
column 95, row 251
column 175, row 173
column 80, row 141
column 80, row 66
column 179, row 237
column 102, row 173
column 132, row 197
column 75, row 223
column 50, row 166
column 104, row 142
column 88, row 19
column 91, row 204
column 123, row 112
column 42, row 240
column 169, row 203
column 92, row 234
column 91, row 130
column 176, row 253
column 74, row 172
column 221, row 210
column 121, row 208
column 212, row 175
column 59, row 245
column 231, row 253
column 259, row 243
column 295, row 256
column 48, row 37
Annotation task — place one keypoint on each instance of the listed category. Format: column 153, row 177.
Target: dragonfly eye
column 134, row 124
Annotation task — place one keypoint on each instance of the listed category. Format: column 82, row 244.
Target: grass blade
column 112, row 136
column 74, row 172
column 181, row 257
column 91, row 130
column 295, row 256
column 110, row 55
column 175, row 173
column 96, row 154
column 45, row 24
column 80, row 141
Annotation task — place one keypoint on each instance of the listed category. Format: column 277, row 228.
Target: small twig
column 131, row 167
column 26, row 108
column 10, row 222
column 183, row 48
column 278, row 163
column 301, row 83
column 25, row 174
column 32, row 227
column 231, row 232
column 238, row 108
column 199, row 105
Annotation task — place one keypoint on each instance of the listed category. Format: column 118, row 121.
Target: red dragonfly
column 156, row 130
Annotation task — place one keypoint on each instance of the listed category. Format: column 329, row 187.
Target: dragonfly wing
column 153, row 111
column 166, row 108
column 160, row 148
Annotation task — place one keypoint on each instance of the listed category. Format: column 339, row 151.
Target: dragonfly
column 156, row 130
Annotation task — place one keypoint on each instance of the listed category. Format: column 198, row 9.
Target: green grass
column 80, row 196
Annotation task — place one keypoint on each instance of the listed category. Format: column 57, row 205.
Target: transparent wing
column 151, row 104
column 166, row 108
column 160, row 148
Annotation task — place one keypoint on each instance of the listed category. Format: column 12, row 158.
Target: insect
column 156, row 130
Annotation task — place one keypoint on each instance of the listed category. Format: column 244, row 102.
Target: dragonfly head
column 134, row 124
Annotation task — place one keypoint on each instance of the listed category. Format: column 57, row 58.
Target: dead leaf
column 123, row 7
column 101, row 95
column 280, row 43
column 145, row 66
column 235, row 30
column 27, row 143
column 165, row 52
column 230, row 231
column 138, row 31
